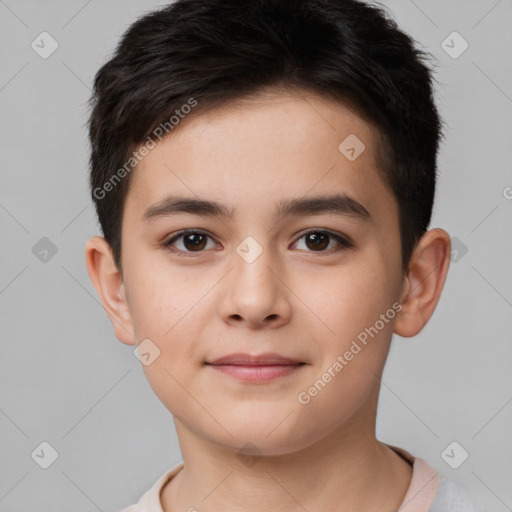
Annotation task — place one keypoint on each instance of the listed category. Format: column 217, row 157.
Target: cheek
column 171, row 317
column 357, row 304
column 167, row 309
column 353, row 358
column 351, row 303
column 164, row 298
column 351, row 298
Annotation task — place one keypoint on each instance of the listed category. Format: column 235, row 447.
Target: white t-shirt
column 428, row 491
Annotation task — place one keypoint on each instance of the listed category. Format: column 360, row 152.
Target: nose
column 254, row 293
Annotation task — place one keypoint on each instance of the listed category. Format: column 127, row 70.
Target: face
column 264, row 275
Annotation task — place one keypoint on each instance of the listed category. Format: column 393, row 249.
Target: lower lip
column 257, row 373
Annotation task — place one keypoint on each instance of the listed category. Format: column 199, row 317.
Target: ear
column 424, row 282
column 109, row 285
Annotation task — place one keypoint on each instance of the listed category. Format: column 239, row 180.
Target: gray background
column 65, row 378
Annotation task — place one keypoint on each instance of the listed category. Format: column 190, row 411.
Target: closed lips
column 260, row 360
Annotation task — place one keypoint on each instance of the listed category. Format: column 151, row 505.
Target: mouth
column 259, row 368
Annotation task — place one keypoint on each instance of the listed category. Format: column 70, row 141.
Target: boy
column 271, row 167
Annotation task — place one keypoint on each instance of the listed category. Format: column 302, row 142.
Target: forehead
column 259, row 150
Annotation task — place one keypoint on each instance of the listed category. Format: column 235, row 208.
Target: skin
column 293, row 299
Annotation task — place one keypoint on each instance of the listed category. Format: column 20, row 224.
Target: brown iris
column 318, row 240
column 194, row 241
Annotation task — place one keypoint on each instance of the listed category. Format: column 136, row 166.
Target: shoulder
column 451, row 497
column 150, row 500
column 131, row 508
column 431, row 492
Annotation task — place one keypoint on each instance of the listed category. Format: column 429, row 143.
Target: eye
column 191, row 241
column 319, row 240
column 195, row 241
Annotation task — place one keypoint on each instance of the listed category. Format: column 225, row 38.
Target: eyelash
column 344, row 242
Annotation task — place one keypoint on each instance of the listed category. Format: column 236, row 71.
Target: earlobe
column 110, row 288
column 424, row 282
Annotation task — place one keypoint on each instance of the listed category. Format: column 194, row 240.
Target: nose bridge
column 251, row 263
column 253, row 292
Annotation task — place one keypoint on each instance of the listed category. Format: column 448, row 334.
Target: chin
column 266, row 437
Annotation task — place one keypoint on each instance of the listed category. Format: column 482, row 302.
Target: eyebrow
column 338, row 204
